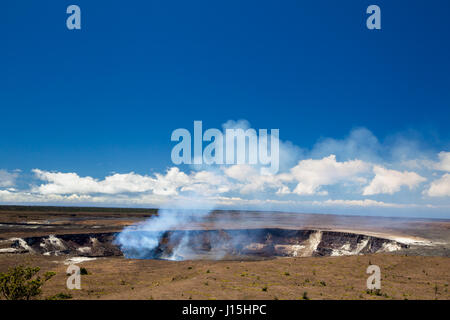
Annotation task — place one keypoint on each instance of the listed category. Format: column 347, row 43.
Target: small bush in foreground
column 83, row 271
column 61, row 296
column 21, row 283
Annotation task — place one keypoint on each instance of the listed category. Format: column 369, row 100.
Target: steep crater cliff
column 208, row 244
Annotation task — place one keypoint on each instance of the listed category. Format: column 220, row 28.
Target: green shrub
column 374, row 292
column 83, row 271
column 61, row 296
column 21, row 283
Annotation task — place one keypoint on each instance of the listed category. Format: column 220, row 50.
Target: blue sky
column 105, row 99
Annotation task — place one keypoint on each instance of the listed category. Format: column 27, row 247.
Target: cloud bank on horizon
column 357, row 174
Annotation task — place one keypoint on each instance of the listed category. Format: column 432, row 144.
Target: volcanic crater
column 222, row 244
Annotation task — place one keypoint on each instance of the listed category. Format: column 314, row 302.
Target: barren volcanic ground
column 263, row 255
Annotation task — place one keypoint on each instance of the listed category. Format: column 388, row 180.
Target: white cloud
column 241, row 172
column 440, row 187
column 444, row 161
column 72, row 183
column 223, row 185
column 426, row 163
column 359, row 144
column 361, row 170
column 7, row 179
column 250, row 180
column 207, row 183
column 168, row 184
column 391, row 181
column 312, row 174
column 363, row 203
